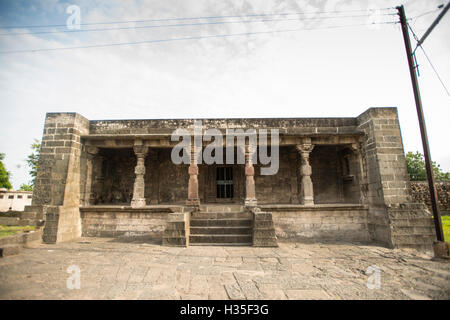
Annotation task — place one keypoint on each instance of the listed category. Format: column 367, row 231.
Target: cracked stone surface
column 115, row 269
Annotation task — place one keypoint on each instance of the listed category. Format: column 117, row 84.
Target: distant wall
column 421, row 193
column 14, row 200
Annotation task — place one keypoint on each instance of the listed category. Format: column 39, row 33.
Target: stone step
column 413, row 239
column 400, row 230
column 222, row 208
column 221, row 238
column 235, row 222
column 221, row 215
column 416, row 222
column 221, row 230
column 418, row 247
column 246, row 244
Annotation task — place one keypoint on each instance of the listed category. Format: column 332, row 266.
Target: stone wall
column 283, row 186
column 338, row 223
column 124, row 222
column 421, row 194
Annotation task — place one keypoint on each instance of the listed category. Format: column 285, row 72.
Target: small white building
column 11, row 200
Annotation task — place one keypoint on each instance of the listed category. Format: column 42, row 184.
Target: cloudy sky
column 335, row 64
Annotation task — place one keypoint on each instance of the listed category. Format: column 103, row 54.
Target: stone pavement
column 114, row 269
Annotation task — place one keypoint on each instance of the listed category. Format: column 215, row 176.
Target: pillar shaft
column 307, row 191
column 250, row 191
column 193, row 198
column 138, row 200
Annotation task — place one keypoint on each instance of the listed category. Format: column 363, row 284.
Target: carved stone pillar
column 88, row 198
column 307, row 191
column 250, row 192
column 138, row 200
column 193, row 198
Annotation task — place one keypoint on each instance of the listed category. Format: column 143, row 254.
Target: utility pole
column 423, row 129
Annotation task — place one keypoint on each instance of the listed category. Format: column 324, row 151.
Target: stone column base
column 193, row 202
column 138, row 203
column 250, row 202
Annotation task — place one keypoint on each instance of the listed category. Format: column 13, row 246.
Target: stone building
column 339, row 179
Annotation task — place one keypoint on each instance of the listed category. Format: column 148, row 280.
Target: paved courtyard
column 111, row 269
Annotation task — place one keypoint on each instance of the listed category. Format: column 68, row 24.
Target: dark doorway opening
column 224, row 182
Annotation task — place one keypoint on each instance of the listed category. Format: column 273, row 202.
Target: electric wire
column 191, row 38
column 184, row 25
column 429, row 60
column 196, row 18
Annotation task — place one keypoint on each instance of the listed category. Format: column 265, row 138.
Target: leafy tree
column 26, row 187
column 415, row 164
column 4, row 175
column 33, row 160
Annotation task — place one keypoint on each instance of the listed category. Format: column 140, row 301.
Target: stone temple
column 339, row 179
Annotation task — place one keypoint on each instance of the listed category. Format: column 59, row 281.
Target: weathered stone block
column 9, row 250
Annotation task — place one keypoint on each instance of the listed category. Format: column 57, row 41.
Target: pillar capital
column 305, row 148
column 91, row 150
column 140, row 150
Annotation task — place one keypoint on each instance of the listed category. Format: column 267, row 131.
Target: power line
column 194, row 18
column 184, row 25
column 424, row 14
column 429, row 61
column 189, row 38
column 435, row 71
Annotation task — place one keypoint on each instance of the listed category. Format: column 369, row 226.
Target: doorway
column 224, row 182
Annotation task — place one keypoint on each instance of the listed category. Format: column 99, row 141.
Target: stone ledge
column 316, row 207
column 119, row 208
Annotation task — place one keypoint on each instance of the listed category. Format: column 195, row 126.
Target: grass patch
column 6, row 231
column 446, row 227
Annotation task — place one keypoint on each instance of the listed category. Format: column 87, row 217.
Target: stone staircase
column 412, row 226
column 221, row 225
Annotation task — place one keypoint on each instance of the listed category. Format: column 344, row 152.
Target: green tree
column 415, row 164
column 33, row 160
column 4, row 175
column 26, row 187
